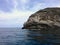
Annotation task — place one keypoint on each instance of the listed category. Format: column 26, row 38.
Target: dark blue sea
column 18, row 36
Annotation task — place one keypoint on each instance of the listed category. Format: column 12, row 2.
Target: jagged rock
column 44, row 19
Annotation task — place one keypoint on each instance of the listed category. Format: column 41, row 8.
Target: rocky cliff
column 48, row 18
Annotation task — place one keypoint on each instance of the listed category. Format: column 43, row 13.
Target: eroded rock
column 43, row 19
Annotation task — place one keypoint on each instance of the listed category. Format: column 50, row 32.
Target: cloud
column 14, row 19
column 6, row 5
column 51, row 3
column 9, row 5
column 30, row 5
column 24, row 1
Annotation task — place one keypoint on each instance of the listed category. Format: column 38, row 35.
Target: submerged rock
column 48, row 18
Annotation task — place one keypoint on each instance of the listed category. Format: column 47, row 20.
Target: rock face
column 48, row 18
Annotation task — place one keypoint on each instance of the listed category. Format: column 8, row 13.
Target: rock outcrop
column 48, row 18
column 45, row 22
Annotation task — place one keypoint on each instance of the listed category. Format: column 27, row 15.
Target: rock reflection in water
column 43, row 37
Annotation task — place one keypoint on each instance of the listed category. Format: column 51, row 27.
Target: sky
column 13, row 13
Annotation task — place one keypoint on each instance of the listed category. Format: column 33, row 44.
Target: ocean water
column 18, row 36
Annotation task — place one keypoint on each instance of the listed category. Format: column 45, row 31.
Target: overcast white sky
column 13, row 13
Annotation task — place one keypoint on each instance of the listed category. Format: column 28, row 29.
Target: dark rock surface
column 44, row 19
